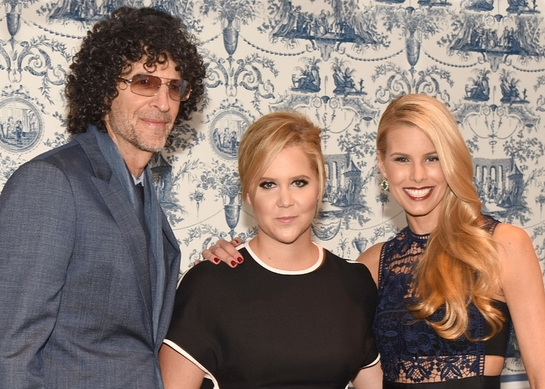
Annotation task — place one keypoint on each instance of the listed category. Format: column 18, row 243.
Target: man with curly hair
column 89, row 265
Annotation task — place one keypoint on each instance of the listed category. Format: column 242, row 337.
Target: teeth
column 418, row 192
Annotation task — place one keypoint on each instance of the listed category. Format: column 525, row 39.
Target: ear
column 380, row 163
column 248, row 200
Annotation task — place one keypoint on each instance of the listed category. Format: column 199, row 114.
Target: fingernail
column 216, row 260
column 240, row 259
column 233, row 263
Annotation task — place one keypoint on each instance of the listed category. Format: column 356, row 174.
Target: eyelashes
column 300, row 183
column 432, row 158
column 266, row 184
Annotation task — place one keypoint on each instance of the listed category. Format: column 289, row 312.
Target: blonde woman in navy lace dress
column 453, row 281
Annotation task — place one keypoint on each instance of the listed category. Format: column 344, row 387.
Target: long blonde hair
column 268, row 136
column 460, row 264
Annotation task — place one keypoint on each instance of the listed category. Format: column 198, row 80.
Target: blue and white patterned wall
column 340, row 62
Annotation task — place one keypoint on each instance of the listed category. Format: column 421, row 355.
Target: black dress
column 259, row 327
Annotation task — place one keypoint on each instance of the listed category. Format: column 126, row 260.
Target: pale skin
column 177, row 371
column 409, row 165
column 283, row 202
column 140, row 125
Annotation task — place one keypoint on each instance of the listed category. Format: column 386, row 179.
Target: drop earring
column 384, row 184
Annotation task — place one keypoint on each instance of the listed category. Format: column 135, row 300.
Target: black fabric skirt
column 479, row 382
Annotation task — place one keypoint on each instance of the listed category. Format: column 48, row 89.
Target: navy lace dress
column 413, row 355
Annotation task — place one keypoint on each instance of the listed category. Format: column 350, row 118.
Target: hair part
column 268, row 136
column 110, row 49
column 460, row 263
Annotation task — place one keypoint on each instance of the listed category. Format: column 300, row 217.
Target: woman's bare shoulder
column 372, row 254
column 513, row 241
column 371, row 258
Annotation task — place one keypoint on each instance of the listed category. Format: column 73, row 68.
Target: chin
column 289, row 239
column 152, row 148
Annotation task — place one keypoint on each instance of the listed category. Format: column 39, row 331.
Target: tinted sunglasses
column 148, row 85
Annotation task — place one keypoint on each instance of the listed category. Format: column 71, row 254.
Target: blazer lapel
column 172, row 258
column 132, row 232
column 124, row 215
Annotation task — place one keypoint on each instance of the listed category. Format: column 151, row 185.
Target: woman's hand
column 224, row 251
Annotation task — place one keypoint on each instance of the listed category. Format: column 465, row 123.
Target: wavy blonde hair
column 268, row 136
column 460, row 264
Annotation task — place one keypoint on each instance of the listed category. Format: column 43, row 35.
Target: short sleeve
column 192, row 331
column 366, row 287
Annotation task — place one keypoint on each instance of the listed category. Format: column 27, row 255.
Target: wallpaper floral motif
column 338, row 61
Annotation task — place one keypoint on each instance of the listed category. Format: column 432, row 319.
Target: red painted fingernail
column 233, row 263
column 240, row 259
column 216, row 260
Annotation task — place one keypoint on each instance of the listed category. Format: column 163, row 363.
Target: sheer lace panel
column 411, row 351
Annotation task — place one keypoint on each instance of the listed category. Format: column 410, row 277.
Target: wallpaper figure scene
column 340, row 62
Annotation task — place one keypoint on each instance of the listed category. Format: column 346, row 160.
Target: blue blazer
column 75, row 279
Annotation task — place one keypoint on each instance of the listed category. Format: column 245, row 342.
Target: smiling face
column 140, row 125
column 415, row 177
column 284, row 201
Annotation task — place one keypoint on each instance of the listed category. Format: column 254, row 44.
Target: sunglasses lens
column 145, row 85
column 175, row 89
column 182, row 90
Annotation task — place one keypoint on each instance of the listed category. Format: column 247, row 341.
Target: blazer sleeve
column 37, row 233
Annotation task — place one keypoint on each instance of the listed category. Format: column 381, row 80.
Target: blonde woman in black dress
column 294, row 315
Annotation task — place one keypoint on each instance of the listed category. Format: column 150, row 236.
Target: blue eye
column 300, row 183
column 266, row 184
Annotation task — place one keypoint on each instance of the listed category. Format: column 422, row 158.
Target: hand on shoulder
column 224, row 251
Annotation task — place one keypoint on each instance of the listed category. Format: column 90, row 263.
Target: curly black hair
column 111, row 47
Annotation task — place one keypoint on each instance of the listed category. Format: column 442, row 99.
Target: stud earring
column 384, row 184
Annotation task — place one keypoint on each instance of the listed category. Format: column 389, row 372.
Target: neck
column 135, row 158
column 136, row 165
column 421, row 225
column 298, row 255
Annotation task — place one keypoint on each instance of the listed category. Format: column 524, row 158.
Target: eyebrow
column 291, row 178
column 400, row 154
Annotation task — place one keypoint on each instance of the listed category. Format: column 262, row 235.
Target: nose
column 418, row 172
column 161, row 99
column 285, row 198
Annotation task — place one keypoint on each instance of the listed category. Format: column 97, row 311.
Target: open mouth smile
column 418, row 194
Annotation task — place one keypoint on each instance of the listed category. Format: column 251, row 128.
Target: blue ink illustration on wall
column 340, row 63
column 21, row 130
column 21, row 125
column 226, row 130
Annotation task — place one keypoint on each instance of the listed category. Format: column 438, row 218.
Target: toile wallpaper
column 338, row 61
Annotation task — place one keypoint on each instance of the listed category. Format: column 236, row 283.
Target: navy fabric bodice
column 411, row 351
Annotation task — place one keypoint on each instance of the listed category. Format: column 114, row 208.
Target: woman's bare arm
column 177, row 371
column 523, row 290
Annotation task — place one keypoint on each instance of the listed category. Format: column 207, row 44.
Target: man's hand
column 224, row 251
